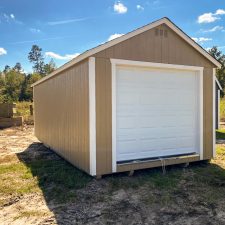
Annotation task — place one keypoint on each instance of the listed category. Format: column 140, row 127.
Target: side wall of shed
column 61, row 107
column 149, row 46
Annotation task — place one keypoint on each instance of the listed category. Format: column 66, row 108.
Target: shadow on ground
column 193, row 195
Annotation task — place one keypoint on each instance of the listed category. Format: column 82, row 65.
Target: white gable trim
column 127, row 36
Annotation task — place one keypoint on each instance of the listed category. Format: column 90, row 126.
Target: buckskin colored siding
column 149, row 46
column 62, row 114
column 62, row 102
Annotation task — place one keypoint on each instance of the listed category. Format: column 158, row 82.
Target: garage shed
column 139, row 101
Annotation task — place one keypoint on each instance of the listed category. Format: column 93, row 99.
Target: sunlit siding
column 62, row 114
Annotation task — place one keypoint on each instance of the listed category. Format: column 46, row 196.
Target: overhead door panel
column 156, row 112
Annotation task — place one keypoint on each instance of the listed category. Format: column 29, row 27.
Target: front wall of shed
column 150, row 48
column 62, row 114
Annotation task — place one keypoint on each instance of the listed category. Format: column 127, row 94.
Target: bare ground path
column 38, row 187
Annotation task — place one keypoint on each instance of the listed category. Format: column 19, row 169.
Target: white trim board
column 214, row 112
column 92, row 116
column 119, row 62
column 218, row 83
column 218, row 110
column 130, row 35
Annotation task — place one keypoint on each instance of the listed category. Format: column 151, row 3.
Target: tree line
column 15, row 84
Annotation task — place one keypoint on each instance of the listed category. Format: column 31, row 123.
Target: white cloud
column 57, row 56
column 210, row 17
column 120, row 7
column 113, row 36
column 9, row 18
column 216, row 28
column 139, row 7
column 34, row 30
column 201, row 39
column 60, row 22
column 207, row 49
column 207, row 18
column 220, row 12
column 3, row 51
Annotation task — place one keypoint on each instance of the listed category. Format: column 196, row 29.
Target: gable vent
column 161, row 32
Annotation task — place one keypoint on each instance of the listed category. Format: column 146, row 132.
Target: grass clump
column 56, row 179
column 23, row 109
column 220, row 134
column 222, row 109
column 30, row 213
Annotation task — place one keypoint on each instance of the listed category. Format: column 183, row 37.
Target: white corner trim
column 214, row 112
column 127, row 36
column 218, row 110
column 92, row 116
column 201, row 150
column 114, row 165
column 120, row 62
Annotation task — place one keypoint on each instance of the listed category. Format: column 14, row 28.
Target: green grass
column 220, row 150
column 220, row 134
column 205, row 181
column 57, row 179
column 222, row 109
column 23, row 109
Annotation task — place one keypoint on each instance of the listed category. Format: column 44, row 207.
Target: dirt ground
column 33, row 190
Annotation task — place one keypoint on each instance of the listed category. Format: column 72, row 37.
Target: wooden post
column 31, row 109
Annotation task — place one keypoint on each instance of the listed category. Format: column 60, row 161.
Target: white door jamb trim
column 120, row 62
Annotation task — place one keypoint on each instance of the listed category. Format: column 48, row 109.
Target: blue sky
column 66, row 28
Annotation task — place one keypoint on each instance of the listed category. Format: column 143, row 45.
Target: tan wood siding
column 103, row 116
column 151, row 48
column 62, row 114
column 208, row 112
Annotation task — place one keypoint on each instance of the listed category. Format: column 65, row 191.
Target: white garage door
column 156, row 113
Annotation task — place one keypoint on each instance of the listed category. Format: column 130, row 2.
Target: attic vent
column 165, row 33
column 161, row 32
